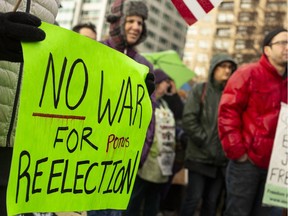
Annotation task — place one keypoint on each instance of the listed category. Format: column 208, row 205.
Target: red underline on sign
column 46, row 115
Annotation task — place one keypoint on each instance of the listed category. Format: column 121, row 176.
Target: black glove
column 150, row 83
column 16, row 27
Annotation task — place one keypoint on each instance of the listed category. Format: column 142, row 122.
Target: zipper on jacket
column 16, row 100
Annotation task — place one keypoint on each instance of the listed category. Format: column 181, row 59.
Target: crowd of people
column 221, row 132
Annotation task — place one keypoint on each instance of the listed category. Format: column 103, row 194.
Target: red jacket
column 249, row 110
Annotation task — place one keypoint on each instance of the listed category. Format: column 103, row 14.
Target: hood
column 218, row 59
column 120, row 9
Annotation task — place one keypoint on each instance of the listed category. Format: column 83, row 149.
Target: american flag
column 194, row 10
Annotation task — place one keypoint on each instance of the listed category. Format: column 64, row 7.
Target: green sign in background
column 276, row 196
column 83, row 115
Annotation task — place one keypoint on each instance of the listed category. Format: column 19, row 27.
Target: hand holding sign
column 16, row 27
column 83, row 115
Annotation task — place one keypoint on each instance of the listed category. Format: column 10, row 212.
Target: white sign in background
column 276, row 188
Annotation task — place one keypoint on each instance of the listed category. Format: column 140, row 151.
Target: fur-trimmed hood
column 120, row 9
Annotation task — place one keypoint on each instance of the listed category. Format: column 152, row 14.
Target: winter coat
column 11, row 73
column 204, row 151
column 249, row 111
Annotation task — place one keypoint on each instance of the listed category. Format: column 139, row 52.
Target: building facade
column 236, row 27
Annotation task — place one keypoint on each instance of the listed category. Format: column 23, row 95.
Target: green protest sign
column 276, row 190
column 83, row 115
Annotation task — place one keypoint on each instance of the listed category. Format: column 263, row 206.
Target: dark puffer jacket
column 204, row 151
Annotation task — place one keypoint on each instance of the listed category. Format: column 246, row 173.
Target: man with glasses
column 205, row 158
column 248, row 115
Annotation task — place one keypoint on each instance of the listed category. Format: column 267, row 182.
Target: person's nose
column 136, row 26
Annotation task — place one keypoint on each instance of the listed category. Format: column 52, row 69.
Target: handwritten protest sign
column 276, row 188
column 83, row 115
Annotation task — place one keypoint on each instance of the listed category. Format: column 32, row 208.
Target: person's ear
column 267, row 50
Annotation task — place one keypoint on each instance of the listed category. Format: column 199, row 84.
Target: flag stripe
column 195, row 8
column 206, row 5
column 215, row 2
column 184, row 11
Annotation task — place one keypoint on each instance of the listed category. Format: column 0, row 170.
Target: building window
column 153, row 21
column 190, row 44
column 248, row 4
column 154, row 9
column 192, row 30
column 176, row 35
column 148, row 45
column 274, row 16
column 179, row 26
column 175, row 47
column 187, row 56
column 151, row 34
column 203, row 44
column 223, row 32
column 277, row 4
column 163, row 41
column 169, row 6
column 247, row 16
column 245, row 30
column 243, row 44
column 205, row 31
column 165, row 28
column 166, row 17
column 225, row 18
column 240, row 44
column 201, row 57
column 221, row 44
column 227, row 5
column 200, row 71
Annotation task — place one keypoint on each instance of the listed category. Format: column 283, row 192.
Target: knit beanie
column 160, row 76
column 268, row 38
column 120, row 9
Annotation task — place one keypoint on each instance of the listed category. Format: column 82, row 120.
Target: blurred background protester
column 205, row 159
column 153, row 175
column 173, row 193
column 86, row 29
column 248, row 115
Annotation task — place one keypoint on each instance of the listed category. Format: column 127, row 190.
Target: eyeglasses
column 281, row 43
